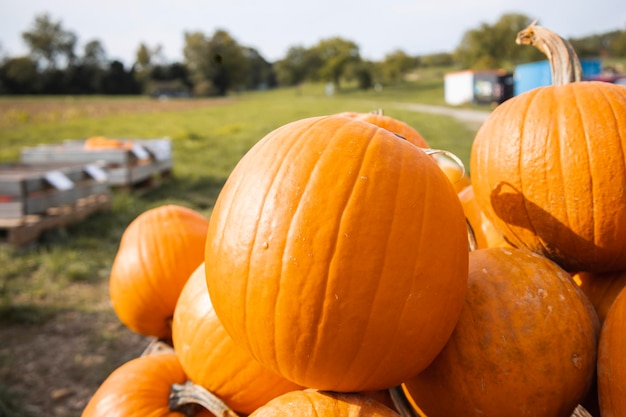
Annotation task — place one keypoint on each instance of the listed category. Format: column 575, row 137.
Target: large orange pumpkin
column 525, row 343
column 392, row 124
column 141, row 387
column 611, row 363
column 335, row 250
column 211, row 358
column 312, row 403
column 158, row 252
column 549, row 169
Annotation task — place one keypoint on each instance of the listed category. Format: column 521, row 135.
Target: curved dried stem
column 402, row 404
column 186, row 398
column 563, row 59
column 449, row 155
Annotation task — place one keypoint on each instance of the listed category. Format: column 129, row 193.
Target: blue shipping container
column 537, row 74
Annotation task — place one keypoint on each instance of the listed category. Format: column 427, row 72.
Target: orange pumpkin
column 485, row 233
column 611, row 363
column 392, row 124
column 140, row 387
column 97, row 143
column 549, row 170
column 212, row 359
column 525, row 343
column 158, row 252
column 312, row 403
column 454, row 171
column 335, row 249
column 601, row 289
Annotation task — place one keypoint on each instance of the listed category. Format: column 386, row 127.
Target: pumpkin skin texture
column 601, row 289
column 335, row 249
column 485, row 233
column 138, row 388
column 158, row 252
column 611, row 364
column 525, row 344
column 210, row 357
column 549, row 170
column 312, row 403
column 391, row 124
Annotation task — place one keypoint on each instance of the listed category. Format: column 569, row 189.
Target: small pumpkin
column 485, row 233
column 392, row 124
column 454, row 170
column 147, row 386
column 549, row 168
column 158, row 252
column 524, row 345
column 334, row 250
column 611, row 364
column 98, row 143
column 211, row 358
column 313, row 403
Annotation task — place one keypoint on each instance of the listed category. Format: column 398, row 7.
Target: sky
column 271, row 27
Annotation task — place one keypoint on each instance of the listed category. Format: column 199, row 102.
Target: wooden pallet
column 27, row 229
column 126, row 167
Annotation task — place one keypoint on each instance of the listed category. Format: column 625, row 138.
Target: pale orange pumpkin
column 312, row 403
column 211, row 358
column 524, row 345
column 549, row 168
column 335, row 250
column 611, row 363
column 144, row 386
column 392, row 124
column 158, row 252
column 485, row 233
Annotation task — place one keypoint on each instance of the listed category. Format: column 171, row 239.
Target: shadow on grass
column 27, row 314
column 9, row 403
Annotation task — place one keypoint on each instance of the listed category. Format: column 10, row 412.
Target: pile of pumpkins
column 347, row 269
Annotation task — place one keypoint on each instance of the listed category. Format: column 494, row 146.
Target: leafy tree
column 436, row 60
column 216, row 64
column 604, row 44
column 260, row 72
column 364, row 72
column 396, row 65
column 294, row 68
column 117, row 80
column 19, row 76
column 94, row 54
column 48, row 41
column 333, row 56
column 618, row 44
column 493, row 46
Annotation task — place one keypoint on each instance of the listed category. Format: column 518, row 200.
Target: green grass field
column 67, row 271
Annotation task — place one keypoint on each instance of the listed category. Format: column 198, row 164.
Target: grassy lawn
column 67, row 271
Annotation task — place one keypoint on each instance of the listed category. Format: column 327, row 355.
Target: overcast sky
column 272, row 26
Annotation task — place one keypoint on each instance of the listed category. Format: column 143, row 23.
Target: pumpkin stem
column 401, row 402
column 449, row 155
column 158, row 346
column 471, row 237
column 580, row 411
column 564, row 62
column 186, row 398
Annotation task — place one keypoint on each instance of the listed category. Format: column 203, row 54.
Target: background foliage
column 217, row 64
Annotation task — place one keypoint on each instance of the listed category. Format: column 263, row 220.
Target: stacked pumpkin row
column 335, row 270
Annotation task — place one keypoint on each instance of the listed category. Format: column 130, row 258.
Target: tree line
column 216, row 64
